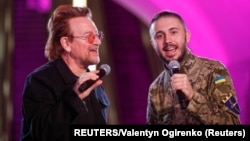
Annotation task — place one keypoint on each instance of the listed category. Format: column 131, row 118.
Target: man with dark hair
column 204, row 84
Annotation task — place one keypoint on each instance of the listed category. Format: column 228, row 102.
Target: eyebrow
column 86, row 32
column 174, row 28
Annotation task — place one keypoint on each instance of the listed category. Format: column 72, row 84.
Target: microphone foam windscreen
column 173, row 64
column 106, row 68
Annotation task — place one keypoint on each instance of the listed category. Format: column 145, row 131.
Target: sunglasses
column 90, row 37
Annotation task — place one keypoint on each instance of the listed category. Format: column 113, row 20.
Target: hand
column 82, row 79
column 181, row 82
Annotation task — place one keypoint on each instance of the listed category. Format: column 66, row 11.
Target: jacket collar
column 64, row 71
column 186, row 63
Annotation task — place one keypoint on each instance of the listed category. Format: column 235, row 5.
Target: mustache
column 167, row 46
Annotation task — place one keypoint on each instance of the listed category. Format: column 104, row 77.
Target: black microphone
column 104, row 70
column 174, row 66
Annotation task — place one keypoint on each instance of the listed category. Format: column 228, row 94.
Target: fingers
column 85, row 93
column 86, row 78
column 181, row 82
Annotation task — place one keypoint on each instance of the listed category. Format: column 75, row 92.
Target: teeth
column 170, row 48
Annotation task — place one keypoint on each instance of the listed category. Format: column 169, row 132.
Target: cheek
column 159, row 44
column 181, row 41
column 79, row 48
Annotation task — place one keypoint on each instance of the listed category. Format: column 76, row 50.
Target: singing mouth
column 170, row 48
column 170, row 51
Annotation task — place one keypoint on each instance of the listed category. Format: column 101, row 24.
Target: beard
column 183, row 51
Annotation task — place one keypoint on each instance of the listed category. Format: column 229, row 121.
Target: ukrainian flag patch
column 219, row 79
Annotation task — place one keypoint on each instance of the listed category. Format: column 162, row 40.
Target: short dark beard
column 180, row 59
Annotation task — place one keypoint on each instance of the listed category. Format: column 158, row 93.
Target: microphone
column 104, row 70
column 174, row 66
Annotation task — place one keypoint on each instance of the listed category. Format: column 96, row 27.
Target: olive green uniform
column 214, row 101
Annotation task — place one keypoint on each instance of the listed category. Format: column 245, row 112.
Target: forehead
column 167, row 23
column 82, row 25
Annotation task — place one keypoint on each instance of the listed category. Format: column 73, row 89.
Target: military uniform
column 214, row 101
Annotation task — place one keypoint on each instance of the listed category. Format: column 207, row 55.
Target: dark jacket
column 51, row 107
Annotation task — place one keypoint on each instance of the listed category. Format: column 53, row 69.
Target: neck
column 76, row 67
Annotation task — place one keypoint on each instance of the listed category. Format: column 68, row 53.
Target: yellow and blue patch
column 219, row 79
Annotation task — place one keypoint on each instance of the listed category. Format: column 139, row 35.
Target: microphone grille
column 106, row 68
column 173, row 64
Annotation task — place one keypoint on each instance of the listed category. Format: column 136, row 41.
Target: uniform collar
column 186, row 63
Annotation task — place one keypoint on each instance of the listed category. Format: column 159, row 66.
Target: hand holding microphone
column 90, row 80
column 104, row 70
column 181, row 84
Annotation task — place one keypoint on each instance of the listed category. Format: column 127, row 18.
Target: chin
column 173, row 58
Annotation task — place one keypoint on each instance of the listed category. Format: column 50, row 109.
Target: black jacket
column 50, row 106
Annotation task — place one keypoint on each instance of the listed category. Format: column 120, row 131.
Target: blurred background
column 219, row 30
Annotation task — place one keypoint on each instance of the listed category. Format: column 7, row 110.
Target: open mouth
column 170, row 50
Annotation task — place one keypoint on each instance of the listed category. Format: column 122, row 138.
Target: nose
column 168, row 38
column 98, row 37
column 97, row 41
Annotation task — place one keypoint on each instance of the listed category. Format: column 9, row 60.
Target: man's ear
column 65, row 44
column 151, row 43
column 188, row 35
